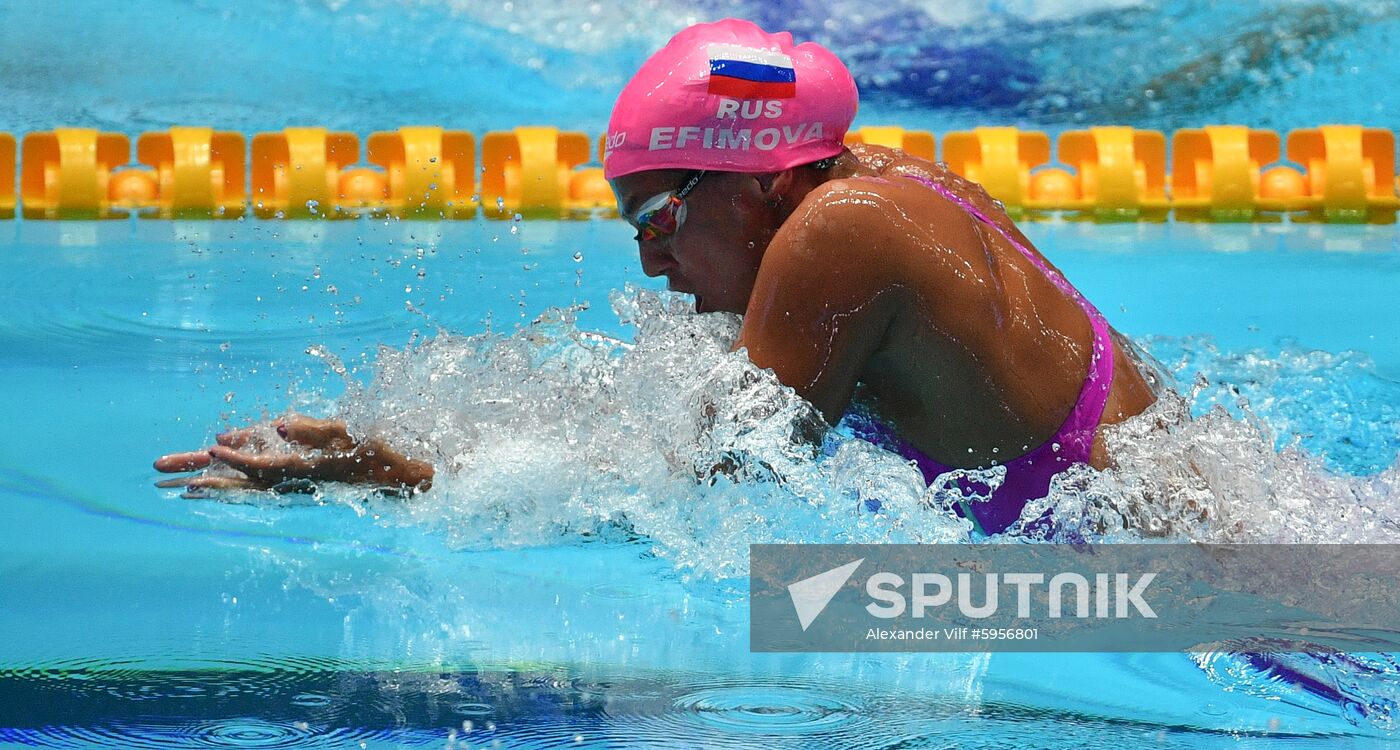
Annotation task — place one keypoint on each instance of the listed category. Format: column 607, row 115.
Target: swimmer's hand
column 323, row 451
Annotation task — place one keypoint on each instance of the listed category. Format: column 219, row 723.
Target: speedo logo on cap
column 750, row 73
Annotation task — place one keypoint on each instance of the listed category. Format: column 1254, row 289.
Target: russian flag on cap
column 749, row 73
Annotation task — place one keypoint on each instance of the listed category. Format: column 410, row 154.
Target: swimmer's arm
column 323, row 451
column 823, row 300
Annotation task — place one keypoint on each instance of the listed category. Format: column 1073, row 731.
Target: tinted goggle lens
column 660, row 216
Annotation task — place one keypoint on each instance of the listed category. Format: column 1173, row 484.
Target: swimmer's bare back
column 881, row 282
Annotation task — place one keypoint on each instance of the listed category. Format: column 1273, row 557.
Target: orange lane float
column 7, row 176
column 296, row 172
column 431, row 173
column 918, row 143
column 194, row 173
column 66, row 173
column 1217, row 174
column 1000, row 159
column 1122, row 173
column 530, row 171
column 1349, row 171
column 1334, row 173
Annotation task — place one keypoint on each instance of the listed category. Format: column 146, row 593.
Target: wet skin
column 856, row 282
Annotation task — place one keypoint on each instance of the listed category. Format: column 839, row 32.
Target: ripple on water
column 738, row 714
column 236, row 732
column 762, row 709
column 474, row 710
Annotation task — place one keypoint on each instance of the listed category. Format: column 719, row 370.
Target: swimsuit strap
column 1050, row 273
column 1077, row 432
column 1028, row 476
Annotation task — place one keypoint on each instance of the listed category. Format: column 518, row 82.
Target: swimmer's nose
column 656, row 261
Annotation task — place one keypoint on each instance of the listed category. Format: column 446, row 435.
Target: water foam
column 1254, row 453
column 551, row 433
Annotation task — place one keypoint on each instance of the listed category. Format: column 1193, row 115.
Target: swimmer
column 877, row 285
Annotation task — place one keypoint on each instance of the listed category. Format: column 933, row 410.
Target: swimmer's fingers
column 246, row 437
column 188, row 461
column 325, row 434
column 200, row 488
column 223, row 483
column 268, row 467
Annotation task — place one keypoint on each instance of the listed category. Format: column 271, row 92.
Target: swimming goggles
column 663, row 214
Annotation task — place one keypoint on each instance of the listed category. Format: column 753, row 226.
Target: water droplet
column 578, row 257
column 224, row 346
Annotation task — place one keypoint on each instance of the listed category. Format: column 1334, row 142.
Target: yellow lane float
column 1218, row 175
column 431, row 173
column 918, row 143
column 67, row 173
column 529, row 171
column 1122, row 173
column 296, row 172
column 1333, row 173
column 193, row 173
column 1349, row 173
column 1001, row 159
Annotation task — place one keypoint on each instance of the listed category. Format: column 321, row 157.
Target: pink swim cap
column 729, row 96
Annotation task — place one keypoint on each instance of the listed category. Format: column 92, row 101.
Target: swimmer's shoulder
column 877, row 211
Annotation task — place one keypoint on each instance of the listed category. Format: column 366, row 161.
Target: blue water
column 545, row 597
column 130, row 613
column 375, row 64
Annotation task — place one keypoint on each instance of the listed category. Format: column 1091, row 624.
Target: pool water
column 537, row 603
column 561, row 586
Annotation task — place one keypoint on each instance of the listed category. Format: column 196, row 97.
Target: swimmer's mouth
column 671, row 285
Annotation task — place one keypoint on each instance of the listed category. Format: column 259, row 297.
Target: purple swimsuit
column 1027, row 477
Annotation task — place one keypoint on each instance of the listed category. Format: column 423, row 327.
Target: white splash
column 552, row 434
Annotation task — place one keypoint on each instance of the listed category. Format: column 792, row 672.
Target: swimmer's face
column 715, row 252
